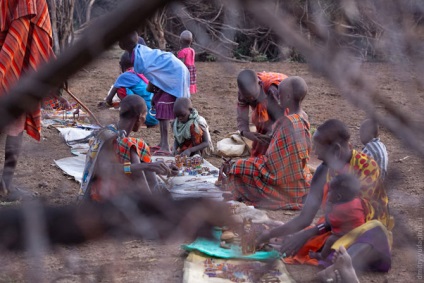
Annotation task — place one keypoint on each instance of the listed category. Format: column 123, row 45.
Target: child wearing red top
column 344, row 211
column 187, row 55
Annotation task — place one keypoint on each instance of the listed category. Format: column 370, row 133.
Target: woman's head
column 182, row 109
column 331, row 143
column 129, row 41
column 248, row 85
column 133, row 109
column 292, row 90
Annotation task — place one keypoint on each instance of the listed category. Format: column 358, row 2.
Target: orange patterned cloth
column 269, row 78
column 372, row 194
column 25, row 43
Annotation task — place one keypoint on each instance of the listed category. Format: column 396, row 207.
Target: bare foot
column 341, row 271
column 343, row 264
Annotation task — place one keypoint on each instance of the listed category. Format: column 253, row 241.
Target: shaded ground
column 145, row 261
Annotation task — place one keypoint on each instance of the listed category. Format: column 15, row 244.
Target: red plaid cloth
column 280, row 178
column 25, row 43
column 123, row 149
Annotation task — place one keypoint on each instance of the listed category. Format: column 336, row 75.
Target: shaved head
column 132, row 106
column 182, row 103
column 186, row 36
column 333, row 131
column 293, row 87
column 247, row 82
column 368, row 131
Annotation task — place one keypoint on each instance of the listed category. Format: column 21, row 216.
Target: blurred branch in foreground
column 131, row 215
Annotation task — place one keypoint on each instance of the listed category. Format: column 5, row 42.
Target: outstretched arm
column 110, row 95
column 310, row 209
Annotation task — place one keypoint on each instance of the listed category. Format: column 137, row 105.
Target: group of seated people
column 347, row 185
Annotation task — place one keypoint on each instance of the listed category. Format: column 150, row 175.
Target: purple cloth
column 378, row 240
column 164, row 105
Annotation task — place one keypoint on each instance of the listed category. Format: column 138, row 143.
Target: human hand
column 250, row 135
column 262, row 238
column 159, row 167
column 174, row 170
column 103, row 105
column 263, row 139
column 292, row 243
column 186, row 152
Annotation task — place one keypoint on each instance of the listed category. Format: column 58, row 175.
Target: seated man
column 191, row 131
column 369, row 244
column 258, row 91
column 279, row 179
column 117, row 161
column 129, row 83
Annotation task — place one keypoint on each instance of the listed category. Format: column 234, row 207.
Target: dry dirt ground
column 146, row 261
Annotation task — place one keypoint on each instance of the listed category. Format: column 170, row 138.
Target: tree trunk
column 156, row 25
column 53, row 18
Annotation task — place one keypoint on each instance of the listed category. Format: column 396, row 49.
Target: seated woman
column 129, row 83
column 279, row 179
column 369, row 245
column 117, row 161
column 191, row 131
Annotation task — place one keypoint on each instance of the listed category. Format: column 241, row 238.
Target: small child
column 191, row 132
column 373, row 147
column 344, row 211
column 106, row 175
column 169, row 76
column 129, row 83
column 187, row 55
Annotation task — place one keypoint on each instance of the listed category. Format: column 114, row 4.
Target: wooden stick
column 83, row 106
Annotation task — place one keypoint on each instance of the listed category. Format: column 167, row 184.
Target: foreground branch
column 146, row 217
column 97, row 38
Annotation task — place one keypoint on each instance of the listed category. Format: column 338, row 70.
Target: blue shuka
column 134, row 84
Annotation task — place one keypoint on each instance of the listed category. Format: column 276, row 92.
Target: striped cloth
column 25, row 43
column 377, row 150
column 280, row 178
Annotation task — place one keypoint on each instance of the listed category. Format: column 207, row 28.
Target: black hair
column 346, row 185
column 132, row 106
column 125, row 61
column 245, row 78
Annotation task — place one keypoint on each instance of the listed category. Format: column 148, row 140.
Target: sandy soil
column 145, row 261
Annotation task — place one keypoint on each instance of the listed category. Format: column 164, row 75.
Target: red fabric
column 269, row 78
column 25, row 42
column 263, row 123
column 344, row 217
column 196, row 139
column 373, row 197
column 280, row 178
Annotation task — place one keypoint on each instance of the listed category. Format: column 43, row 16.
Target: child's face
column 182, row 115
column 251, row 94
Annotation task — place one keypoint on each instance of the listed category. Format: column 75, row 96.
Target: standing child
column 373, row 147
column 187, row 55
column 168, row 79
column 344, row 211
column 191, row 132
